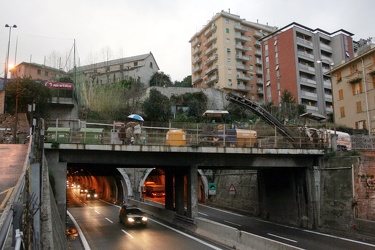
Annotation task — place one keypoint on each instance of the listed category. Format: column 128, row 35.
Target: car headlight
column 95, row 195
column 88, row 196
column 144, row 219
column 130, row 219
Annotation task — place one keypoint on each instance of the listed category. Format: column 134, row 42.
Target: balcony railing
column 354, row 77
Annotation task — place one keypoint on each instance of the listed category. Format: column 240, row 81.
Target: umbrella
column 136, row 117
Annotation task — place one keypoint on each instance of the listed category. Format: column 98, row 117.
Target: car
column 83, row 191
column 131, row 215
column 91, row 194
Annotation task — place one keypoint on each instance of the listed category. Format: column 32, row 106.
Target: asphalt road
column 304, row 239
column 100, row 225
column 12, row 158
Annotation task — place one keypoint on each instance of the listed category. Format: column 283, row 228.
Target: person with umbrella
column 137, row 133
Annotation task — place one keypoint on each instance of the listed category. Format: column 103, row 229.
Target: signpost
column 232, row 189
column 211, row 188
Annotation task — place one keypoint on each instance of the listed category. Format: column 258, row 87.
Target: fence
column 184, row 134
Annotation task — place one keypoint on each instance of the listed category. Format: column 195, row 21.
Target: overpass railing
column 182, row 134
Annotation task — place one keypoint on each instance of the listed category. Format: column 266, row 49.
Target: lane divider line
column 274, row 235
column 128, row 234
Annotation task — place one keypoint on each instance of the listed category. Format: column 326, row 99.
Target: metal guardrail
column 13, row 210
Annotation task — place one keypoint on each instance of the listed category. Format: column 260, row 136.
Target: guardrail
column 14, row 209
column 181, row 134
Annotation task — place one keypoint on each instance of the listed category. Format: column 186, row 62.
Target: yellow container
column 176, row 137
column 246, row 138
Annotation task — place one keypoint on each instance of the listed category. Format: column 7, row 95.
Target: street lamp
column 7, row 59
column 331, row 64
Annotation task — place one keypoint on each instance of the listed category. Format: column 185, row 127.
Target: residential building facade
column 140, row 68
column 36, row 71
column 354, row 91
column 226, row 55
column 295, row 58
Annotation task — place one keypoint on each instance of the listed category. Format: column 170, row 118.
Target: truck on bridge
column 155, row 190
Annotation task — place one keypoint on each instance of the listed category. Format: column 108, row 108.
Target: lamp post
column 7, row 59
column 334, row 139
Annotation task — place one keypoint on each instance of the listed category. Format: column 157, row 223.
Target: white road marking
column 222, row 210
column 232, row 223
column 202, row 214
column 128, row 234
column 186, row 235
column 282, row 237
column 109, row 220
column 85, row 244
column 97, row 212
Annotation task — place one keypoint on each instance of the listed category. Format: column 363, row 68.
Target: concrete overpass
column 180, row 164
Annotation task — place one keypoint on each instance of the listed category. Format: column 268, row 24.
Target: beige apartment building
column 354, row 91
column 226, row 55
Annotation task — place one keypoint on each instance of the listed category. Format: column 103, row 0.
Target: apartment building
column 296, row 57
column 140, row 68
column 226, row 55
column 36, row 71
column 354, row 91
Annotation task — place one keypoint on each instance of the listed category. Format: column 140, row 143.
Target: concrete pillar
column 169, row 190
column 192, row 192
column 179, row 192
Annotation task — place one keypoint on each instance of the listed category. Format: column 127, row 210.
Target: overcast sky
column 164, row 27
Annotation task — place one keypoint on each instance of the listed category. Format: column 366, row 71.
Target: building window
column 230, row 82
column 228, row 49
column 228, row 60
column 135, row 64
column 251, row 67
column 266, row 47
column 229, row 71
column 227, row 30
column 341, row 94
column 339, row 76
column 359, row 107
column 357, row 88
column 151, row 66
column 46, row 73
column 342, row 112
column 39, row 72
column 226, row 20
column 360, row 125
column 353, row 68
column 228, row 40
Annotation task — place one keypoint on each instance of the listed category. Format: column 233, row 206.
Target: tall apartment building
column 354, row 91
column 296, row 57
column 226, row 55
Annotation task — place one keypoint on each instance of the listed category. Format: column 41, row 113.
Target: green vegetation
column 21, row 92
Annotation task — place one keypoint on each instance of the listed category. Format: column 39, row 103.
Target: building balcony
column 304, row 42
column 328, row 98
column 197, row 50
column 197, row 59
column 354, row 77
column 258, row 62
column 211, row 59
column 240, row 47
column 63, row 101
column 243, row 77
column 257, row 44
column 240, row 27
column 210, row 30
column 242, row 58
column 371, row 69
column 260, row 82
column 308, row 82
column 258, row 34
column 307, row 68
column 209, row 40
column 212, row 79
column 306, row 55
column 197, row 79
column 197, row 69
column 240, row 66
column 259, row 72
column 326, row 47
column 242, row 38
column 309, row 95
column 210, row 50
column 210, row 69
column 258, row 52
column 327, row 84
column 195, row 42
column 243, row 88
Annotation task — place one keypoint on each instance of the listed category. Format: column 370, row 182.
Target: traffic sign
column 232, row 189
column 212, row 188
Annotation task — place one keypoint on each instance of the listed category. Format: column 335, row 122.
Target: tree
column 157, row 107
column 23, row 91
column 160, row 79
column 186, row 82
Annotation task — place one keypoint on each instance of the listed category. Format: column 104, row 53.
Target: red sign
column 232, row 189
column 60, row 85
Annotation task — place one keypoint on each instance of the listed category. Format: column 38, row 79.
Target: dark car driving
column 91, row 194
column 131, row 215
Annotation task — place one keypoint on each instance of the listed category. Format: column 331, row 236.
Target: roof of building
column 369, row 50
column 115, row 62
column 37, row 65
column 293, row 24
